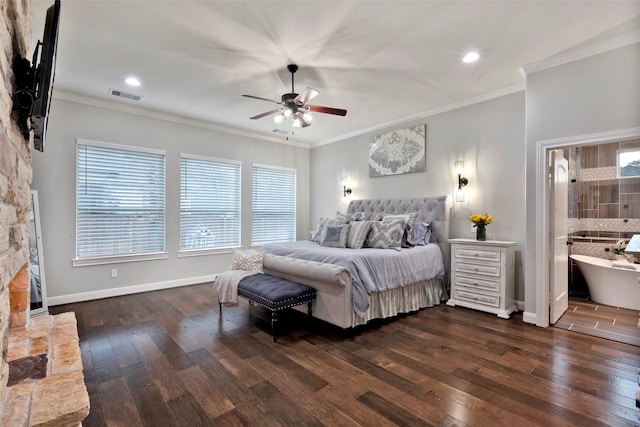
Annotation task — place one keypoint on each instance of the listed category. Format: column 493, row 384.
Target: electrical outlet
column 114, row 273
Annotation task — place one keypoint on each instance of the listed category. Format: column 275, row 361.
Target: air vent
column 125, row 95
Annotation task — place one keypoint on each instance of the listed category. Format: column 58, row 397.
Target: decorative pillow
column 410, row 219
column 386, row 234
column 359, row 216
column 342, row 217
column 248, row 260
column 358, row 234
column 335, row 236
column 322, row 223
column 327, row 224
column 421, row 233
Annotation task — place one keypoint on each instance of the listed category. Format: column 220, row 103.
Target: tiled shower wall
column 602, row 207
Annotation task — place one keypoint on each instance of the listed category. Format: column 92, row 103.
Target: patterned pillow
column 358, row 234
column 421, row 233
column 248, row 260
column 335, row 236
column 343, row 217
column 386, row 234
column 322, row 223
column 329, row 222
column 410, row 220
column 358, row 216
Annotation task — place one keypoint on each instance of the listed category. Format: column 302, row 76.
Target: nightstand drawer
column 490, row 300
column 484, row 283
column 481, row 254
column 488, row 269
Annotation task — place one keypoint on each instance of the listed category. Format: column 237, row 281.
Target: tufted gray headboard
column 430, row 209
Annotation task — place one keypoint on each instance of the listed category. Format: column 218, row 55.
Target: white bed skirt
column 401, row 300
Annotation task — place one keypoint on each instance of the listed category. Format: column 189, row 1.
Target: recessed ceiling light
column 471, row 57
column 132, row 81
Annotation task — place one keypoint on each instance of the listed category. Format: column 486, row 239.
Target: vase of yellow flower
column 480, row 222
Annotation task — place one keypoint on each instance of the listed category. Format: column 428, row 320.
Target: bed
column 355, row 286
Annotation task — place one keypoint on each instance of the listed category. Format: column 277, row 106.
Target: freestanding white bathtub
column 609, row 284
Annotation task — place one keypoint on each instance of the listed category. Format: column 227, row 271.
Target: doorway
column 544, row 259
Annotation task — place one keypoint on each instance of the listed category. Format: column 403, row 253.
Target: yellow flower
column 481, row 219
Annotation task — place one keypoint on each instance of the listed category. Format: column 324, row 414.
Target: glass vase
column 481, row 233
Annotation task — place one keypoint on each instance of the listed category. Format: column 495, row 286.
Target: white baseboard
column 529, row 317
column 127, row 290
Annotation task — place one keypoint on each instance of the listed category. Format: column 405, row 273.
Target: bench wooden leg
column 274, row 320
column 309, row 305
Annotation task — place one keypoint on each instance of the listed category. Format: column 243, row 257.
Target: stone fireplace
column 41, row 380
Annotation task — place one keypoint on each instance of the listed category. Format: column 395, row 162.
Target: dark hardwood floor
column 167, row 358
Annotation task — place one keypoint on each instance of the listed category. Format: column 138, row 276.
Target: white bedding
column 372, row 270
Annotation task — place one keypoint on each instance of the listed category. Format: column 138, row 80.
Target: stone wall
column 15, row 177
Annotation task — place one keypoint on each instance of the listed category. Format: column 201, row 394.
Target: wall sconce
column 346, row 190
column 462, row 181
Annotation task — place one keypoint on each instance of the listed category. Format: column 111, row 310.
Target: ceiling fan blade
column 268, row 113
column 306, row 95
column 262, row 99
column 327, row 110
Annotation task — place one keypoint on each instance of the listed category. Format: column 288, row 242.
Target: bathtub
column 610, row 285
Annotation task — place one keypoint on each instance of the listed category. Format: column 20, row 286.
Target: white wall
column 488, row 136
column 54, row 178
column 593, row 95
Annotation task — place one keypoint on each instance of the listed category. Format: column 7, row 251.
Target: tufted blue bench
column 275, row 294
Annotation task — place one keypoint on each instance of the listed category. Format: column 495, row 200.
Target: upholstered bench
column 275, row 294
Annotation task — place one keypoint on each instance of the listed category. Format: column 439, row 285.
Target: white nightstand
column 482, row 275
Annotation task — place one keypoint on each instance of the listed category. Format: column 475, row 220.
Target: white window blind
column 273, row 207
column 120, row 196
column 209, row 203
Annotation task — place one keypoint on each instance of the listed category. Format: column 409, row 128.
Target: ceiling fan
column 294, row 105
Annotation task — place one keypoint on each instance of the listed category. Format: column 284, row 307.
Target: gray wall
column 488, row 136
column 597, row 94
column 54, row 178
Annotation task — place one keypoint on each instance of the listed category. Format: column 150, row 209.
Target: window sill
column 202, row 252
column 83, row 262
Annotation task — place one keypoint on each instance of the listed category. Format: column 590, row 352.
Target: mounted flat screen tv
column 34, row 81
column 45, row 73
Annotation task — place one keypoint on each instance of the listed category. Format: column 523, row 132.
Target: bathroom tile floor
column 590, row 318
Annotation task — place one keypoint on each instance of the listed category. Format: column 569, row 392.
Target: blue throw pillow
column 335, row 236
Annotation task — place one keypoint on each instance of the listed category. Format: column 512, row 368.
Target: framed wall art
column 398, row 152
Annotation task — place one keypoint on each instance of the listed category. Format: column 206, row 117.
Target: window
column 628, row 163
column 273, row 207
column 120, row 202
column 209, row 203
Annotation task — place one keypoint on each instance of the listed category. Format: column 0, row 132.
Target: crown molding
column 87, row 100
column 428, row 113
column 583, row 52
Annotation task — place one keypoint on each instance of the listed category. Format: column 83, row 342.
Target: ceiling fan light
column 297, row 122
column 307, row 116
column 287, row 112
column 278, row 118
column 471, row 57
